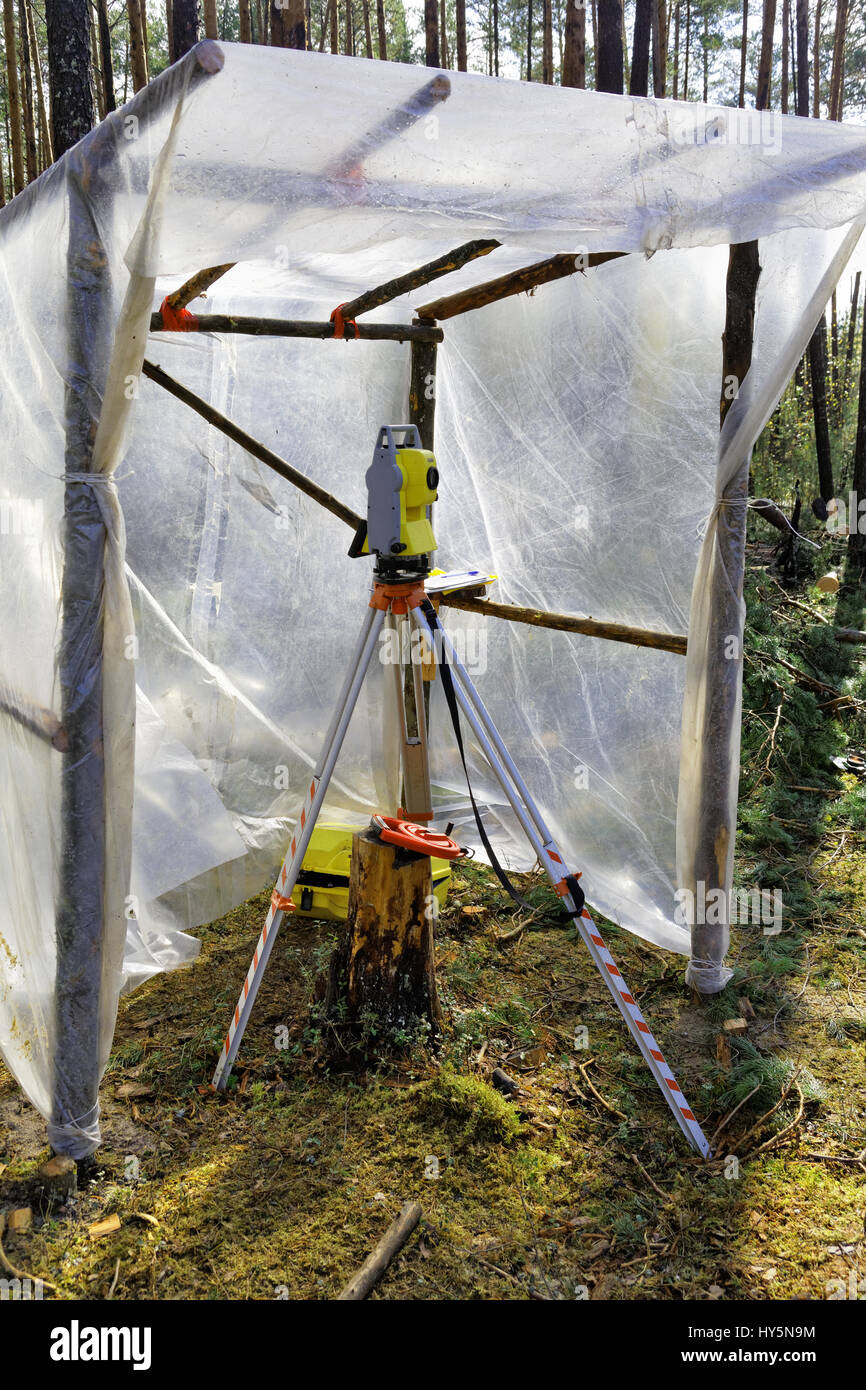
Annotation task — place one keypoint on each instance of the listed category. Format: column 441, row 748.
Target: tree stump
column 381, row 985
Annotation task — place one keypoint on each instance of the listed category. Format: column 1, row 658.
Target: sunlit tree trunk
column 104, row 57
column 137, row 53
column 660, row 48
column 288, row 24
column 14, row 94
column 765, row 66
column 574, row 57
column 29, row 124
column 816, row 63
column 443, row 34
column 460, row 15
column 368, row 35
column 210, row 19
column 44, row 124
column 677, row 9
column 837, row 79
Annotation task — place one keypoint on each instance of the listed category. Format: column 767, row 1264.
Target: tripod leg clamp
column 570, row 885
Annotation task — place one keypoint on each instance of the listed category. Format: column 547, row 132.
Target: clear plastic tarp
column 580, row 458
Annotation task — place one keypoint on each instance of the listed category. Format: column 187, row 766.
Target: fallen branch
column 392, row 1242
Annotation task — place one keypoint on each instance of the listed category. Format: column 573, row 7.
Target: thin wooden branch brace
column 197, row 284
column 564, row 622
column 518, row 281
column 36, row 718
column 392, row 1242
column 414, row 279
column 305, row 328
column 253, row 446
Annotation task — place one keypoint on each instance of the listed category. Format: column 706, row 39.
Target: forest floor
column 580, row 1187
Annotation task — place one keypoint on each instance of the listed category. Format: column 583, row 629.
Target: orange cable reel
column 417, row 838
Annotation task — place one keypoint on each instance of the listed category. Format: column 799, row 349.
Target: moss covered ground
column 579, row 1187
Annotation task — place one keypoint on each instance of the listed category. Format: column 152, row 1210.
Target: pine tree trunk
column 443, row 34
column 818, row 374
column 288, row 25
column 852, row 333
column 837, row 80
column 349, row 37
column 431, row 33
column 184, row 18
column 574, row 58
column 14, row 96
column 529, row 43
column 660, row 48
column 688, row 50
column 460, row 15
column 27, row 105
column 368, row 35
column 104, row 57
column 786, row 24
column 677, row 9
column 765, row 66
column 816, row 63
column 245, row 20
column 335, row 27
column 609, row 66
column 211, row 30
column 744, row 47
column 856, row 538
column 137, row 52
column 495, row 38
column 169, row 24
column 639, row 82
column 44, row 126
column 801, row 102
column 382, row 36
column 69, row 72
column 95, row 64
column 547, row 43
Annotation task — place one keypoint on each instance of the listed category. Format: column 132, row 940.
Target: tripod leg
column 553, row 863
column 288, row 875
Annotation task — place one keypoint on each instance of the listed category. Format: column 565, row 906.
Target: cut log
column 381, row 983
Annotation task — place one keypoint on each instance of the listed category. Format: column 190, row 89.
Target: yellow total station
column 401, row 485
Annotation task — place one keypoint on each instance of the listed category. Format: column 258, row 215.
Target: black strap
column 454, row 710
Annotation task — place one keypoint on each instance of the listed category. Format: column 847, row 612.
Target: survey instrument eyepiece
column 401, row 487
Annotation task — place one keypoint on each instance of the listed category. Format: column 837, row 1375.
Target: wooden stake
column 392, row 1242
column 307, row 328
column 517, row 282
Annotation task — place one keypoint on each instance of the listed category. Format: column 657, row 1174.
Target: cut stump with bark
column 381, row 984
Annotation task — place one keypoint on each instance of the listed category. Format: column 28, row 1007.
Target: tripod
column 398, row 589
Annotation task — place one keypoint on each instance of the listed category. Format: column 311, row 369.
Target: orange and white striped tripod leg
column 625, row 1002
column 281, row 903
column 519, row 798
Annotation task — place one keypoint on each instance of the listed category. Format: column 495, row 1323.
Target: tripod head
column 401, row 487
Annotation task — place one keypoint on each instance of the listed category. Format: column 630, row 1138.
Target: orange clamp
column 177, row 320
column 341, row 324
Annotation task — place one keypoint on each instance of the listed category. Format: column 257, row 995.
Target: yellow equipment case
column 322, row 889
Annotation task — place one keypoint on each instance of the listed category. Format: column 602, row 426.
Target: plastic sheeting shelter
column 174, row 619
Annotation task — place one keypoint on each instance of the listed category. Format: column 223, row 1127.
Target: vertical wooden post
column 716, row 818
